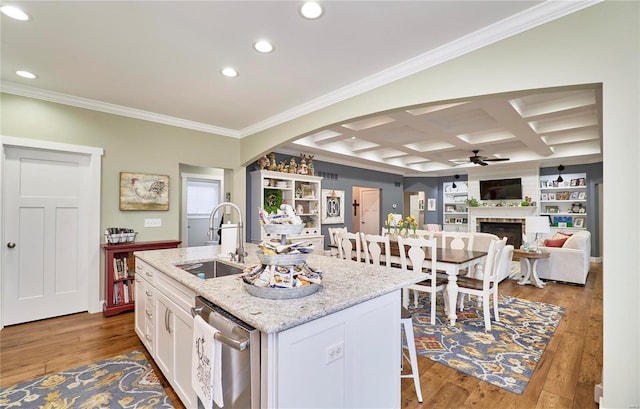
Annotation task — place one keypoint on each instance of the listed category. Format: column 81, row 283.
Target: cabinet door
column 140, row 308
column 182, row 324
column 164, row 335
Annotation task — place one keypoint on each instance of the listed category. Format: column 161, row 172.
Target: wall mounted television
column 501, row 189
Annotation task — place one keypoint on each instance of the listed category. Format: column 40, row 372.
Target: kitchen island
column 339, row 347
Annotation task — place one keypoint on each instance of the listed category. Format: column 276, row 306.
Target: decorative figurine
column 273, row 165
column 292, row 165
column 303, row 169
column 310, row 169
column 263, row 162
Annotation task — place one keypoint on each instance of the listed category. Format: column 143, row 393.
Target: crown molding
column 60, row 98
column 526, row 20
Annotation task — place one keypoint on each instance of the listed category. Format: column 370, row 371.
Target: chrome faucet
column 240, row 252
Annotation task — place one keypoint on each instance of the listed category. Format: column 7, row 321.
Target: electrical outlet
column 335, row 352
column 152, row 222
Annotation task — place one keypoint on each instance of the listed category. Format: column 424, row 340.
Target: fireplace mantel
column 499, row 212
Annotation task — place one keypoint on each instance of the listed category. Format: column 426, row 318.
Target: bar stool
column 406, row 319
column 374, row 246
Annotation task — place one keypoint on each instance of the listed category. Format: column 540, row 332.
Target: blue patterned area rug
column 506, row 356
column 124, row 381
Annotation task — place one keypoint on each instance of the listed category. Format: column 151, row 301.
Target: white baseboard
column 597, row 394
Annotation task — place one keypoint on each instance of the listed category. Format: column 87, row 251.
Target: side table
column 531, row 267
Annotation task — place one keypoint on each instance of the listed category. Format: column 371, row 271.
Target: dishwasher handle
column 239, row 344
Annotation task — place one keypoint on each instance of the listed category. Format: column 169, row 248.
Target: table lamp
column 537, row 225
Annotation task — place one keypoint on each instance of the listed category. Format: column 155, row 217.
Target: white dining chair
column 457, row 240
column 349, row 247
column 374, row 246
column 487, row 286
column 332, row 231
column 412, row 257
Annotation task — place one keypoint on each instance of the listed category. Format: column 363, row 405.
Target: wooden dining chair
column 487, row 286
column 412, row 257
column 349, row 247
column 374, row 246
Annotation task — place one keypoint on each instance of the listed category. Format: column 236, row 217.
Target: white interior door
column 46, row 218
column 370, row 204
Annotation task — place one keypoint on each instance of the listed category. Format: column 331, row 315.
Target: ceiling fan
column 482, row 160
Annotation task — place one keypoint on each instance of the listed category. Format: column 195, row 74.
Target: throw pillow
column 555, row 242
column 560, row 235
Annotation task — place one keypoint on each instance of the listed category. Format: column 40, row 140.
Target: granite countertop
column 345, row 283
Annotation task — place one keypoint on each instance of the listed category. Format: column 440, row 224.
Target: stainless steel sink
column 209, row 269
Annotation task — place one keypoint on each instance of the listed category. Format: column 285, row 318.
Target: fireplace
column 511, row 229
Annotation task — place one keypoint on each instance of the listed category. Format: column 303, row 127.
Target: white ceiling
column 160, row 61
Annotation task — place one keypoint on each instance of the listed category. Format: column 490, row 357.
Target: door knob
column 11, row 245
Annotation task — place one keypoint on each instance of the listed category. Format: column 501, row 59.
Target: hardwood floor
column 564, row 378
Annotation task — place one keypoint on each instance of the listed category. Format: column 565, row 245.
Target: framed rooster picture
column 141, row 191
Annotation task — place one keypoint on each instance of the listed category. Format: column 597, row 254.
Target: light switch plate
column 152, row 222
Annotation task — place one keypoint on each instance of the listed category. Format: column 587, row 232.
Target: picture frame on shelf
column 543, row 184
column 582, row 195
column 562, row 195
column 574, row 182
column 550, row 183
column 450, row 209
column 551, row 209
column 544, row 196
column 582, row 182
column 578, row 222
column 552, row 196
column 332, row 206
column 574, row 195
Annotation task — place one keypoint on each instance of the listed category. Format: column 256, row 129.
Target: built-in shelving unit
column 270, row 189
column 119, row 269
column 565, row 203
column 455, row 214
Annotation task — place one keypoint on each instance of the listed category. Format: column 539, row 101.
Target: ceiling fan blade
column 496, row 160
column 482, row 163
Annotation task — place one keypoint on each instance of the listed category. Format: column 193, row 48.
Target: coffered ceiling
column 552, row 127
column 161, row 61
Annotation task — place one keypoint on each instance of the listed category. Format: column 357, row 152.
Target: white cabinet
column 455, row 214
column 145, row 304
column 351, row 356
column 271, row 189
column 565, row 203
column 167, row 331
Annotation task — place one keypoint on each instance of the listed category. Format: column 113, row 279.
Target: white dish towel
column 206, row 364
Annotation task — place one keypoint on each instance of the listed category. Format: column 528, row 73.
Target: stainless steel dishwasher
column 240, row 356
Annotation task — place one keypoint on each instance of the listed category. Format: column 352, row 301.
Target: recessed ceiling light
column 311, row 10
column 229, row 72
column 14, row 12
column 26, row 74
column 263, row 46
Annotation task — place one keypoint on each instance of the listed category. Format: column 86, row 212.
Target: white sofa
column 569, row 263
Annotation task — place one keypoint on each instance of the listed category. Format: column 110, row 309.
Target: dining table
column 451, row 261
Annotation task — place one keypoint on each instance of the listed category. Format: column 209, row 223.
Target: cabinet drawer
column 145, row 271
column 182, row 296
